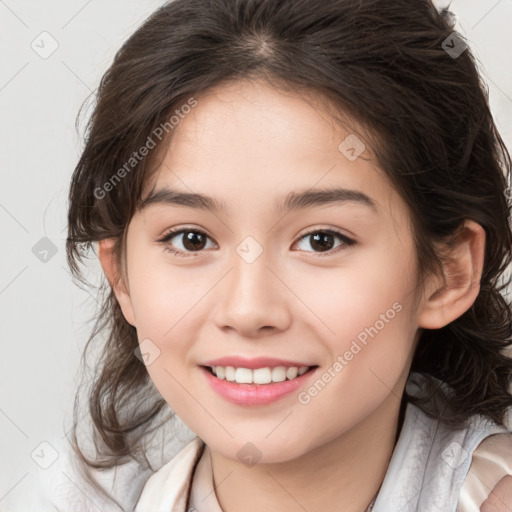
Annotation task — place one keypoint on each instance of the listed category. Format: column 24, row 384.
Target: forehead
column 251, row 143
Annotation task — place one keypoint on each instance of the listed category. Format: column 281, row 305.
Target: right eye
column 191, row 241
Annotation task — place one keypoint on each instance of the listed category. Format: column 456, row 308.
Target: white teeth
column 291, row 373
column 229, row 373
column 243, row 376
column 261, row 376
column 258, row 375
column 278, row 374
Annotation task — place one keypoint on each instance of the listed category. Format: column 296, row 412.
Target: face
column 328, row 282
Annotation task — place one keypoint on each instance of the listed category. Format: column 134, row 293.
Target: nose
column 252, row 300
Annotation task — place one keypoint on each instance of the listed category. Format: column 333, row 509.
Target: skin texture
column 248, row 145
column 500, row 498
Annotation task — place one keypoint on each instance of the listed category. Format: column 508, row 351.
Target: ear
column 114, row 276
column 446, row 301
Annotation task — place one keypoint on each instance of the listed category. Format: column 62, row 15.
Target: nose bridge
column 252, row 297
column 250, row 279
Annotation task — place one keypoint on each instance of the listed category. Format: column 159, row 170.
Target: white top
column 433, row 468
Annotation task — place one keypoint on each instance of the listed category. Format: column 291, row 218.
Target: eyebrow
column 293, row 201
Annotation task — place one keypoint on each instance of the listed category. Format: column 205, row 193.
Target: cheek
column 374, row 288
column 164, row 294
column 366, row 321
column 169, row 305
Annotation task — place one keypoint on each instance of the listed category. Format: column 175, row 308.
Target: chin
column 259, row 450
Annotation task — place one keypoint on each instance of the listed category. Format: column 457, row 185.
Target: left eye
column 323, row 239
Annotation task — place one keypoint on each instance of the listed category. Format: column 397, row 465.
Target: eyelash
column 348, row 242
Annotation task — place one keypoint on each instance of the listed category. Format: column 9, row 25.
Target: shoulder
column 500, row 498
column 491, row 471
column 58, row 485
column 71, row 487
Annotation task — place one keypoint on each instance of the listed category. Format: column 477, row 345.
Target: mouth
column 257, row 386
column 259, row 376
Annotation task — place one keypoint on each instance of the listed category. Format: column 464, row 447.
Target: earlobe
column 114, row 277
column 446, row 301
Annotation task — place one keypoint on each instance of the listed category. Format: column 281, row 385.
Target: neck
column 349, row 470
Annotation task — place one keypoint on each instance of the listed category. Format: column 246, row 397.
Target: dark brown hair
column 383, row 63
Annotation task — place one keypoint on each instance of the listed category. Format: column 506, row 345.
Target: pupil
column 191, row 239
column 320, row 239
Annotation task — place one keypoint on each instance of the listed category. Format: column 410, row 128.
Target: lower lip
column 255, row 394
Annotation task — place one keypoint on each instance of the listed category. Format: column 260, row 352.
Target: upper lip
column 257, row 362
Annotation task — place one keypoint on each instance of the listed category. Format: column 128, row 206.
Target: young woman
column 301, row 211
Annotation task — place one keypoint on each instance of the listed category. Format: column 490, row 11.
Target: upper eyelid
column 177, row 231
column 173, row 232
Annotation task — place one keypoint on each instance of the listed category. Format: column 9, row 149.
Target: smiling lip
column 254, row 394
column 252, row 364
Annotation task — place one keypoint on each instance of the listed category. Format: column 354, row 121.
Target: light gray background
column 43, row 323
